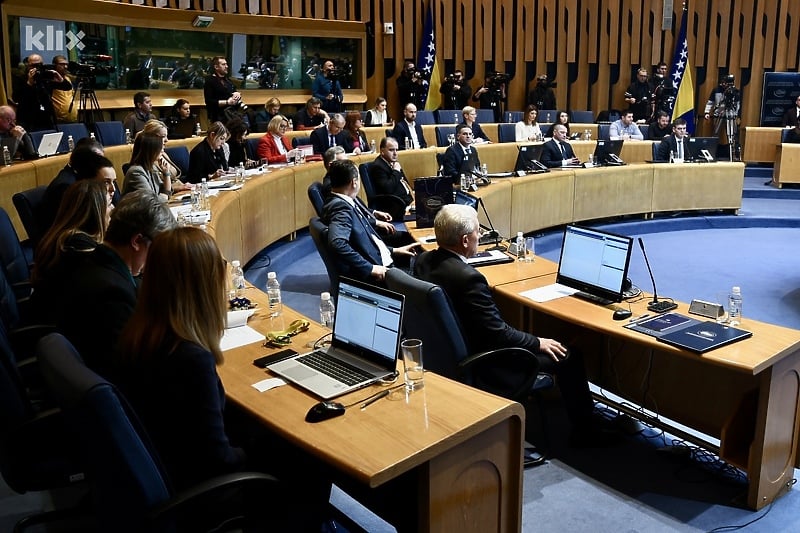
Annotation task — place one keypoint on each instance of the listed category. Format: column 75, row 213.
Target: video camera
column 496, row 79
column 44, row 72
column 546, row 84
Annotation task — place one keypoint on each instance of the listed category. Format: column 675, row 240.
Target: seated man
column 327, row 137
column 457, row 232
column 675, row 144
column 557, row 152
column 100, row 292
column 18, row 140
column 142, row 112
column 625, row 128
column 357, row 248
column 461, row 158
column 407, row 131
column 660, row 128
column 311, row 116
column 387, row 174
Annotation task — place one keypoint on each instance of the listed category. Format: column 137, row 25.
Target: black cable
column 753, row 521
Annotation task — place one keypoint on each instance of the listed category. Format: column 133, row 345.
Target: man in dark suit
column 324, row 138
column 790, row 118
column 676, row 143
column 409, row 129
column 557, row 152
column 457, row 232
column 100, row 292
column 387, row 174
column 461, row 158
column 358, row 250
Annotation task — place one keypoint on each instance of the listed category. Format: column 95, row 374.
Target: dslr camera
column 44, row 72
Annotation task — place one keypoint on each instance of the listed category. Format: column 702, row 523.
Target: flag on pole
column 681, row 75
column 429, row 64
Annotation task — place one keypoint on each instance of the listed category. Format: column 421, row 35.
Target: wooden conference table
column 444, row 458
column 745, row 394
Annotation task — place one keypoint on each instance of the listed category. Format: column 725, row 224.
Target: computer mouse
column 622, row 314
column 324, row 411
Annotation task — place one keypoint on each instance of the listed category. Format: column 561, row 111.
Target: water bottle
column 197, row 130
column 92, row 137
column 520, row 246
column 204, row 204
column 274, row 294
column 327, row 311
column 240, row 173
column 510, row 118
column 237, row 279
column 455, row 118
column 484, row 170
column 547, row 118
column 735, row 307
column 128, row 139
column 290, row 126
column 70, row 143
column 6, row 156
column 408, row 143
column 372, row 146
column 464, row 183
column 672, row 156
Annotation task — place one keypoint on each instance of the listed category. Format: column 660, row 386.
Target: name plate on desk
column 706, row 309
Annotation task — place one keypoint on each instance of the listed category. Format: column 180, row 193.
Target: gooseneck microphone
column 655, row 306
column 497, row 246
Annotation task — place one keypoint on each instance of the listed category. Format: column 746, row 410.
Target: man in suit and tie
column 408, row 129
column 324, row 138
column 356, row 247
column 461, row 158
column 676, row 143
column 387, row 174
column 557, row 152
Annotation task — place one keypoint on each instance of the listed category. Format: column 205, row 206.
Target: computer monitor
column 464, row 198
column 696, row 145
column 595, row 262
column 607, row 152
column 528, row 159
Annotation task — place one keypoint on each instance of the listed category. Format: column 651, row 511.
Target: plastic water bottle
column 520, row 246
column 6, row 156
column 240, row 173
column 372, row 146
column 735, row 307
column 204, row 204
column 290, row 127
column 92, row 137
column 510, row 118
column 70, row 143
column 327, row 311
column 197, row 130
column 484, row 170
column 237, row 279
column 464, row 183
column 455, row 118
column 128, row 138
column 274, row 294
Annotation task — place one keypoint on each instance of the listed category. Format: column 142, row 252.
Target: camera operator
column 492, row 93
column 543, row 96
column 455, row 90
column 328, row 89
column 33, row 94
column 61, row 98
column 663, row 93
column 723, row 103
column 639, row 96
column 409, row 85
column 220, row 94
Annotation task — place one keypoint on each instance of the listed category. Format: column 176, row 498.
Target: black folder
column 704, row 336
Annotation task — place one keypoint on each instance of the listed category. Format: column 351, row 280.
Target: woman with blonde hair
column 142, row 173
column 79, row 226
column 164, row 167
column 207, row 159
column 272, row 108
column 274, row 146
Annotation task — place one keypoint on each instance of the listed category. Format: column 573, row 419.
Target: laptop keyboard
column 338, row 370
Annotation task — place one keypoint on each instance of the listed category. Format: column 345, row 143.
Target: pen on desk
column 374, row 399
column 638, row 318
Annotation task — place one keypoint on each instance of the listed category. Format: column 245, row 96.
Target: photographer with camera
column 33, row 94
column 542, row 96
column 327, row 88
column 492, row 93
column 409, row 85
column 663, row 93
column 222, row 98
column 455, row 90
column 639, row 96
column 724, row 103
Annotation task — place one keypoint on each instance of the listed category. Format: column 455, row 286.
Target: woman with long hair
column 208, row 159
column 378, row 116
column 238, row 147
column 528, row 129
column 143, row 172
column 355, row 142
column 79, row 226
column 562, row 117
column 181, row 122
column 165, row 166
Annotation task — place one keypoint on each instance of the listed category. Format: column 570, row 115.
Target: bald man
column 33, row 93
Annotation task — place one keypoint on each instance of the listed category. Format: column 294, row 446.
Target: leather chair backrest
column 14, row 262
column 319, row 234
column 78, row 131
column 441, row 135
column 110, row 133
column 28, row 204
column 449, row 116
column 316, row 196
column 506, row 133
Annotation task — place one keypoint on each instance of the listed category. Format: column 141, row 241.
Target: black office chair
column 485, row 116
column 581, row 117
column 448, row 116
column 656, row 146
column 28, row 203
column 316, row 196
column 300, row 141
column 13, row 258
column 389, row 132
column 644, row 128
column 110, row 133
column 603, row 131
column 130, row 490
column 394, row 205
column 77, row 130
column 507, row 133
column 441, row 135
column 440, row 164
column 35, row 454
column 425, row 117
column 180, row 156
column 319, row 234
column 786, row 135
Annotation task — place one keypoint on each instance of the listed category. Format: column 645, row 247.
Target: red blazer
column 268, row 149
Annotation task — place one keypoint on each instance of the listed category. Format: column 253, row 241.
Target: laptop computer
column 366, row 339
column 49, row 144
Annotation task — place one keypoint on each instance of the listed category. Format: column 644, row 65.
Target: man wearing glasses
column 639, row 96
column 32, row 93
column 13, row 136
column 63, row 98
column 461, row 158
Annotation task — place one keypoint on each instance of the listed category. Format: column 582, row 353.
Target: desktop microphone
column 655, row 305
column 497, row 246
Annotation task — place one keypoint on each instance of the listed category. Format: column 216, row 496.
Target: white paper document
column 238, row 333
column 549, row 292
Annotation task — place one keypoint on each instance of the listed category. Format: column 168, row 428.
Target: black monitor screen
column 605, row 148
column 464, row 198
column 595, row 262
column 529, row 155
column 696, row 144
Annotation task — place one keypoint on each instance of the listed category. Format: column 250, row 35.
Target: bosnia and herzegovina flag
column 429, row 64
column 681, row 76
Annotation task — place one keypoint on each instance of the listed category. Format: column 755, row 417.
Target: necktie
column 680, row 149
column 563, row 151
column 331, row 141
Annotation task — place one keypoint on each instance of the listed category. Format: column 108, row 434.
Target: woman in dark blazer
column 355, row 142
column 207, row 159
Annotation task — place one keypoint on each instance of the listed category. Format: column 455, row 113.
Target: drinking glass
column 412, row 363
